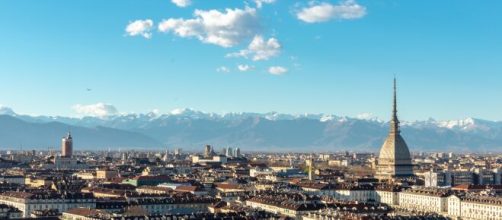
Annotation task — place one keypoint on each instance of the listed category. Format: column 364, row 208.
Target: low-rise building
column 106, row 174
column 320, row 189
column 291, row 205
column 475, row 207
column 16, row 179
column 147, row 180
column 27, row 202
column 217, row 159
column 9, row 212
column 424, row 200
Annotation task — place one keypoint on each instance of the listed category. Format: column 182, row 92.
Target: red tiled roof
column 187, row 189
column 228, row 186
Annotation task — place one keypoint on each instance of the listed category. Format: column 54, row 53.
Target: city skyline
column 75, row 55
column 250, row 109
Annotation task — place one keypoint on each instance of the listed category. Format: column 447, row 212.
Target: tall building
column 208, row 151
column 67, row 146
column 395, row 159
column 310, row 164
column 66, row 161
column 177, row 151
column 437, row 178
column 237, row 152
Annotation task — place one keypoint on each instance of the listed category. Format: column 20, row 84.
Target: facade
column 228, row 187
column 85, row 214
column 455, row 178
column 489, row 208
column 85, row 175
column 38, row 182
column 387, row 196
column 178, row 205
column 147, row 180
column 257, row 171
column 360, row 194
column 395, row 159
column 66, row 163
column 9, row 212
column 209, row 160
column 16, row 179
column 293, row 206
column 106, row 174
column 437, row 179
column 484, row 176
column 319, row 189
column 424, row 200
column 461, row 178
column 28, row 202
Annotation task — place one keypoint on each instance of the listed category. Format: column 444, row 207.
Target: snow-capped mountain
column 6, row 111
column 189, row 128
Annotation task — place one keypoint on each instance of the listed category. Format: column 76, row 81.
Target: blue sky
column 327, row 56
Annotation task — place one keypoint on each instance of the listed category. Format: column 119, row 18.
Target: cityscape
column 309, row 110
column 227, row 183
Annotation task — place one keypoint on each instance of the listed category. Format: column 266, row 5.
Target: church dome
column 395, row 158
column 395, row 149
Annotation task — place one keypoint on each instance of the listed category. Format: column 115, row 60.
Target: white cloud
column 244, row 67
column 320, row 12
column 140, row 28
column 259, row 49
column 182, row 3
column 225, row 29
column 259, row 3
column 95, row 110
column 222, row 69
column 277, row 70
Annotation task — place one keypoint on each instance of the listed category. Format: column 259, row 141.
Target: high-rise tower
column 310, row 164
column 208, row 151
column 395, row 159
column 67, row 146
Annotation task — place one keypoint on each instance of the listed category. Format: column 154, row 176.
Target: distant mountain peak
column 181, row 111
column 466, row 123
column 186, row 127
column 4, row 110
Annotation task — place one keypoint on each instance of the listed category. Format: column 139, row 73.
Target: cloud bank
column 277, row 70
column 140, row 28
column 259, row 49
column 322, row 12
column 223, row 28
column 95, row 110
column 182, row 3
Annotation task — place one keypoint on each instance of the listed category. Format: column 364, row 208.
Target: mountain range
column 190, row 129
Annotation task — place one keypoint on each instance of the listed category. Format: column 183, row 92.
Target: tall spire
column 394, row 123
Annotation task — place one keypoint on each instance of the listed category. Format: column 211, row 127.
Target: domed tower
column 67, row 146
column 395, row 159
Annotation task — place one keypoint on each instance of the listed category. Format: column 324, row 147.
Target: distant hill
column 16, row 133
column 190, row 129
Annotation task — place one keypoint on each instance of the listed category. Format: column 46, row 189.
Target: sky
column 94, row 57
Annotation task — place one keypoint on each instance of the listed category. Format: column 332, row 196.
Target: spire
column 394, row 123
